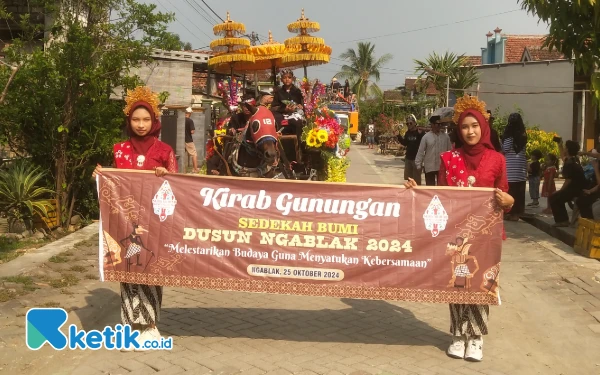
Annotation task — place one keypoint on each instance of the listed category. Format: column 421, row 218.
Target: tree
column 574, row 27
column 462, row 75
column 187, row 46
column 61, row 108
column 363, row 65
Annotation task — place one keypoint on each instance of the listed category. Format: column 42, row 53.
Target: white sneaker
column 474, row 351
column 131, row 348
column 457, row 348
column 142, row 338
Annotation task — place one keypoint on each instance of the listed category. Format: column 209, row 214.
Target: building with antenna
column 517, row 71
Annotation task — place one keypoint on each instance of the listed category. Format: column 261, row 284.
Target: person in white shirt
column 433, row 144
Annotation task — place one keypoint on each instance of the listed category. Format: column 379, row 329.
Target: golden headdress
column 469, row 102
column 142, row 94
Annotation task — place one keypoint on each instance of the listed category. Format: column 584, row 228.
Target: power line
column 177, row 9
column 212, row 19
column 215, row 13
column 193, row 6
column 181, row 23
column 428, row 27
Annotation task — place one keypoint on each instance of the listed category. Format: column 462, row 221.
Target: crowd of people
column 423, row 146
column 469, row 152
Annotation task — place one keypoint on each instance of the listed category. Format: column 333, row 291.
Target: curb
column 40, row 255
column 554, row 245
column 566, row 238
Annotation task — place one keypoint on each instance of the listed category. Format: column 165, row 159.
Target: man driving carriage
column 288, row 106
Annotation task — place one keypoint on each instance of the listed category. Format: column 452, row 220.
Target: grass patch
column 25, row 280
column 78, row 268
column 50, row 304
column 10, row 250
column 67, row 253
column 58, row 259
column 86, row 243
column 6, row 295
column 65, row 291
column 65, row 281
column 89, row 276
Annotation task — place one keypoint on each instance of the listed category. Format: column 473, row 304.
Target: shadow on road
column 103, row 308
column 365, row 321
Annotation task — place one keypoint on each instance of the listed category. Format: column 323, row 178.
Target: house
column 517, row 71
column 414, row 96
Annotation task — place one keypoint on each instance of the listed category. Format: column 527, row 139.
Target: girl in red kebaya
column 476, row 164
column 140, row 304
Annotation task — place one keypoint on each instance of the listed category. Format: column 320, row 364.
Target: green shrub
column 21, row 197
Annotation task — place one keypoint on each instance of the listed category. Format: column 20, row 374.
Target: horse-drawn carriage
column 255, row 151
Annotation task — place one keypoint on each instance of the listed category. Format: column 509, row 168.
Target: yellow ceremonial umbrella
column 267, row 56
column 307, row 49
column 229, row 48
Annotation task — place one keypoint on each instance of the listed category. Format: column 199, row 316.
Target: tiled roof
column 516, row 44
column 199, row 80
column 538, row 53
column 207, row 51
column 473, row 60
column 410, row 83
column 392, row 95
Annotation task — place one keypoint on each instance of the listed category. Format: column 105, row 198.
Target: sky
column 405, row 29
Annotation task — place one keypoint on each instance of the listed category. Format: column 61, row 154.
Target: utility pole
column 253, row 39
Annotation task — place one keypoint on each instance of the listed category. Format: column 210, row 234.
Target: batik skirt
column 140, row 304
column 469, row 320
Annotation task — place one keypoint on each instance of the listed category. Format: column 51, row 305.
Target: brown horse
column 253, row 151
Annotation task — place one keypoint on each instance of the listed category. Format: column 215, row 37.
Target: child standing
column 550, row 173
column 534, row 173
column 141, row 303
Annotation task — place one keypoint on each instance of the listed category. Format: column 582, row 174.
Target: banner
column 300, row 237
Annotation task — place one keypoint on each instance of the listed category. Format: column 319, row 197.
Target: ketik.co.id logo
column 43, row 325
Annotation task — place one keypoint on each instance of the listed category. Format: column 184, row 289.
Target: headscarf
column 141, row 145
column 474, row 153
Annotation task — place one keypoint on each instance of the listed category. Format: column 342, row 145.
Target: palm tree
column 462, row 74
column 363, row 65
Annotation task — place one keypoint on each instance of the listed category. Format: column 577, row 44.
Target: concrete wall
column 172, row 76
column 551, row 112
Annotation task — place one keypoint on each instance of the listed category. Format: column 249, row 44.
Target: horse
column 252, row 151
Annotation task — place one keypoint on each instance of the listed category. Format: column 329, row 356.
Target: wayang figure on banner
column 135, row 246
column 459, row 251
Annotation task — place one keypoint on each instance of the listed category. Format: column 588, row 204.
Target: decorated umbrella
column 229, row 49
column 268, row 56
column 308, row 49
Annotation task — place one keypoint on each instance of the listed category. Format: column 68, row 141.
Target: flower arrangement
column 229, row 91
column 311, row 93
column 323, row 130
column 218, row 133
column 336, row 168
column 220, row 130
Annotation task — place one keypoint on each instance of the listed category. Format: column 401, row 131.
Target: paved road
column 549, row 322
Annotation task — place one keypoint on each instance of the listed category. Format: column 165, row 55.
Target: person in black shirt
column 288, row 99
column 411, row 140
column 190, row 148
column 572, row 188
column 534, row 172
